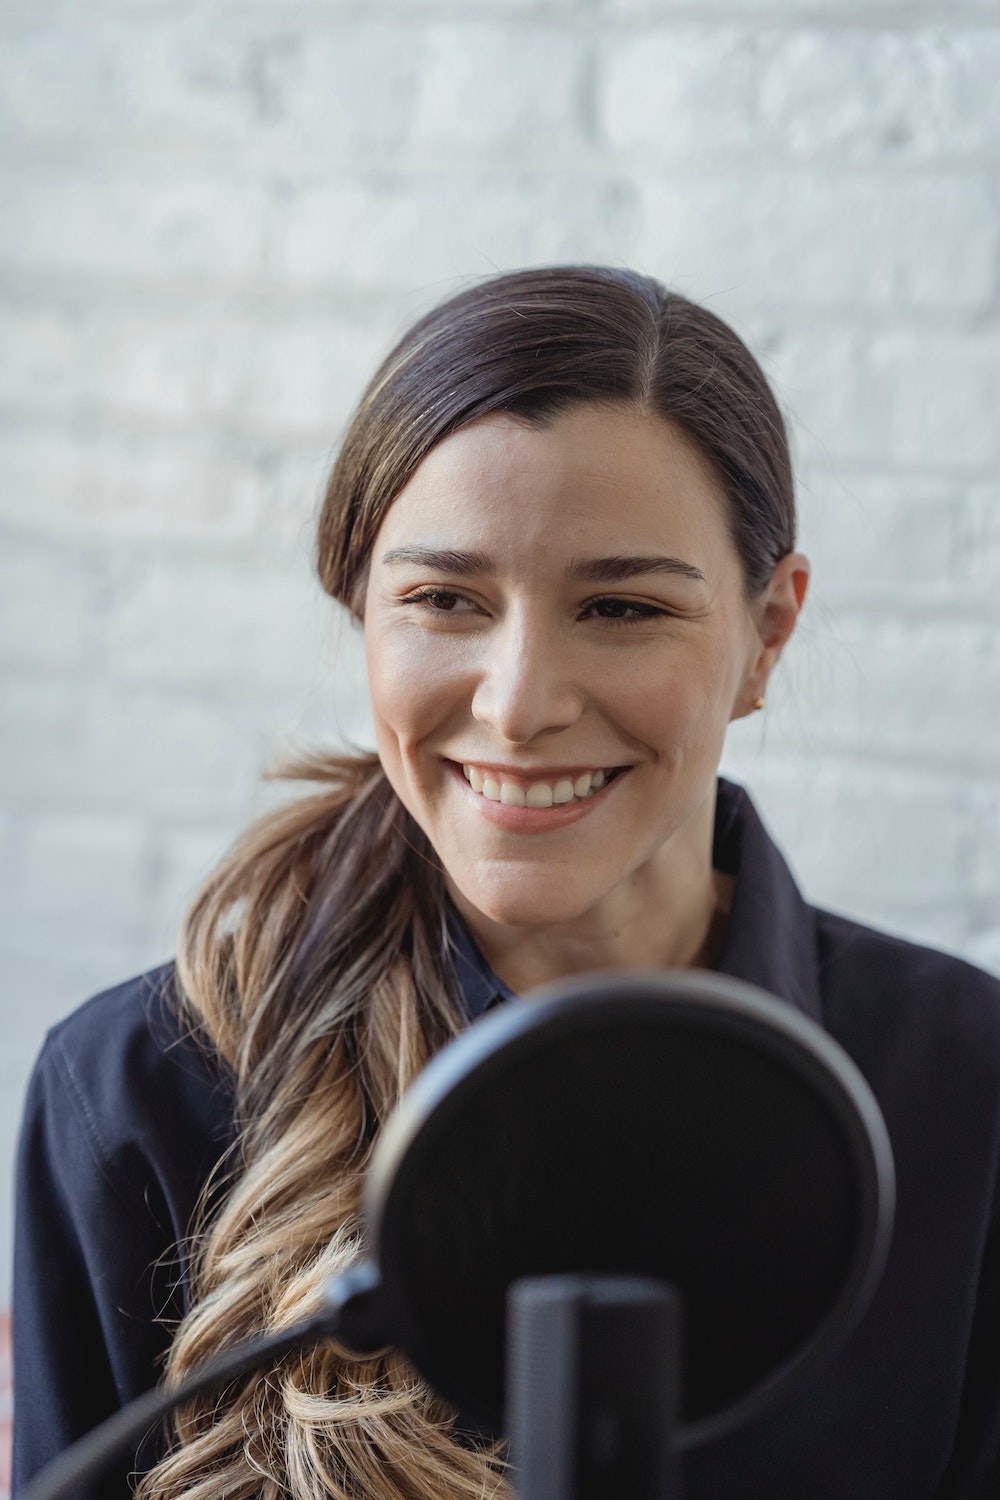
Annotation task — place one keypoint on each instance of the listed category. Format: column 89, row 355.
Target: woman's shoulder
column 879, row 957
column 125, row 1122
column 883, row 993
column 126, row 1072
column 117, row 1021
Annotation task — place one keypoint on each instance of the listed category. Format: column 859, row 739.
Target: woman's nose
column 526, row 687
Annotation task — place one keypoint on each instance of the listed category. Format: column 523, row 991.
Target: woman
column 563, row 512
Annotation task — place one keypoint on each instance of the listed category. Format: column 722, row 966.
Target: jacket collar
column 478, row 986
column 770, row 938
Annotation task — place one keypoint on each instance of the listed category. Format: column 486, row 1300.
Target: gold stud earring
column 758, row 704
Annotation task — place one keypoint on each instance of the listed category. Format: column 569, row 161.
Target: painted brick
column 897, row 835
column 15, row 1062
column 680, row 92
column 177, row 368
column 166, row 77
column 180, row 755
column 81, row 869
column 48, row 356
column 289, row 487
column 821, row 381
column 884, row 869
column 909, row 95
column 40, row 717
column 857, row 94
column 430, row 231
column 984, row 868
column 329, row 85
column 347, row 87
column 683, row 92
column 78, row 743
column 258, row 375
column 348, row 719
column 85, row 482
column 977, row 560
column 334, row 88
column 51, row 603
column 227, row 625
column 184, row 857
column 147, row 219
column 491, row 88
column 983, row 949
column 883, row 541
column 921, row 243
column 164, row 367
column 387, row 89
column 909, row 396
column 652, row 11
column 307, row 373
column 941, row 394
column 973, row 105
column 44, row 987
column 905, row 690
column 515, row 9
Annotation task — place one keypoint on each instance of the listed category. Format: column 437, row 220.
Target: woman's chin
column 533, row 905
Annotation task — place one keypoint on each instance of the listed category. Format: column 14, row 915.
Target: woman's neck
column 657, row 924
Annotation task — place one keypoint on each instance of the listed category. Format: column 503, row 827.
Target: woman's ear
column 775, row 614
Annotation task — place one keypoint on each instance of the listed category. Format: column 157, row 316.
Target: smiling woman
column 563, row 515
column 591, row 724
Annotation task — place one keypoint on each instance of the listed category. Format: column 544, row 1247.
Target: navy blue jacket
column 126, row 1117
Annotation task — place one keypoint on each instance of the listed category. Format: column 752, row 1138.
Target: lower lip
column 533, row 819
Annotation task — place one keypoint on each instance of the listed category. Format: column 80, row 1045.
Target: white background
column 213, row 219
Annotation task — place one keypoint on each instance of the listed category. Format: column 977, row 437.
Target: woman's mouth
column 537, row 792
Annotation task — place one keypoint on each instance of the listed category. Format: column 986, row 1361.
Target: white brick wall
column 214, row 217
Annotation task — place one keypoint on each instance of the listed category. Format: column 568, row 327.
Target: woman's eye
column 623, row 609
column 443, row 600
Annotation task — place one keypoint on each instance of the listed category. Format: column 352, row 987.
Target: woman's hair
column 532, row 344
column 315, row 961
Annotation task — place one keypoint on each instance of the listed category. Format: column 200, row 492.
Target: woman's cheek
column 679, row 705
column 416, row 679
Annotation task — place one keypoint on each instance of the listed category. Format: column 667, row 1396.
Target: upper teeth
column 539, row 793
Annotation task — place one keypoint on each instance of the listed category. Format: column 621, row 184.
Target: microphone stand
column 593, row 1387
column 593, row 1384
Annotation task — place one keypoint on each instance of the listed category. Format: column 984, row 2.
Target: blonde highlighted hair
column 339, row 883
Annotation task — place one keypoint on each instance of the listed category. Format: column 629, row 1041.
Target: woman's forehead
column 590, row 474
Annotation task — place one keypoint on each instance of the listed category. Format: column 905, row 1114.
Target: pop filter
column 685, row 1127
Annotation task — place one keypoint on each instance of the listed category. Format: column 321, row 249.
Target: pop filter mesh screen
column 693, row 1155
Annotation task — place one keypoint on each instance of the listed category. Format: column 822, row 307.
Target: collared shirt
column 126, row 1117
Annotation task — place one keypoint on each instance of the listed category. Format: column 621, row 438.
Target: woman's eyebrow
column 585, row 570
column 617, row 569
column 442, row 560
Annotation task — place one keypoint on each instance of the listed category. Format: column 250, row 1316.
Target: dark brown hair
column 533, row 343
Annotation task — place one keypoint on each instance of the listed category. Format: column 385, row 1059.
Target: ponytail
column 311, row 962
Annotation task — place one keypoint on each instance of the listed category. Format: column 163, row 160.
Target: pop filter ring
column 734, row 1011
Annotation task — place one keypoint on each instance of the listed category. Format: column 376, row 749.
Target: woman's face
column 556, row 637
